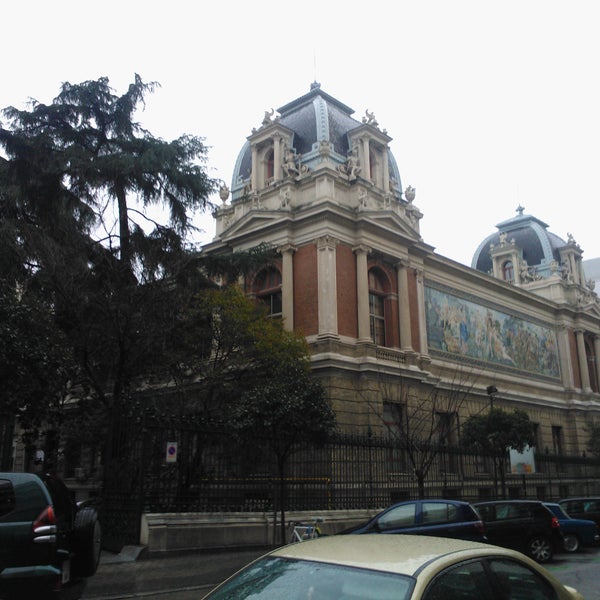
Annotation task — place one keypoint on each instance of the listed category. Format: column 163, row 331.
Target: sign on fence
column 171, row 455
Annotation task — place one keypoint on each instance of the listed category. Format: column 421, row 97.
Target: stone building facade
column 392, row 324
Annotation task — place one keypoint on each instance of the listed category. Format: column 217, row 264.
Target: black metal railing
column 210, row 473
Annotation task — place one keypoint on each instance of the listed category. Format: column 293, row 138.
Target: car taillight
column 44, row 527
column 555, row 523
column 480, row 526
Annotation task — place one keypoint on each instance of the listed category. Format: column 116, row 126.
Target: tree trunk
column 124, row 232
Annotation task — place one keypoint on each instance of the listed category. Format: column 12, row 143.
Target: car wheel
column 540, row 549
column 87, row 542
column 571, row 542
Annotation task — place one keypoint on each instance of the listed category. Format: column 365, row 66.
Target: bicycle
column 302, row 530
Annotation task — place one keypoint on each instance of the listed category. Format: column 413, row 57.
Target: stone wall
column 176, row 532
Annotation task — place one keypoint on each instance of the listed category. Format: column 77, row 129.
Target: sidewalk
column 130, row 574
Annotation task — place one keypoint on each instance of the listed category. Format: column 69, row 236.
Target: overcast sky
column 490, row 104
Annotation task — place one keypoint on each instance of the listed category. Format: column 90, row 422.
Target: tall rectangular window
column 557, row 440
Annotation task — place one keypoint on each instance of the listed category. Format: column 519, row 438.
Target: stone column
column 385, row 170
column 326, row 272
column 567, row 361
column 365, row 167
column 421, row 313
column 404, row 307
column 362, row 293
column 287, row 285
column 278, row 158
column 597, row 359
column 255, row 169
column 583, row 367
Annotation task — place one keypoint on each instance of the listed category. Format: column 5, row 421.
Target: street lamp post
column 491, row 390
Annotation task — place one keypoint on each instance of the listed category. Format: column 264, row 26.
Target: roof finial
column 520, row 210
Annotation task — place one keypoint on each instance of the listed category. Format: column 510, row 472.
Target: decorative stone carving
column 267, row 119
column 351, row 167
column 286, row 198
column 362, row 199
column 224, row 193
column 292, row 163
column 369, row 119
column 410, row 193
column 527, row 273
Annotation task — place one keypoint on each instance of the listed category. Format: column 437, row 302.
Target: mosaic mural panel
column 463, row 327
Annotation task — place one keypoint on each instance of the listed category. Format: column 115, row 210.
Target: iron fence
column 351, row 472
column 156, row 468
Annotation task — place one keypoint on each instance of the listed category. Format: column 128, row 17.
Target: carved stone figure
column 290, row 168
column 267, row 120
column 351, row 167
column 410, row 193
column 370, row 119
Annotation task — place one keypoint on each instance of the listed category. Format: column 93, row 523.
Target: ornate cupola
column 524, row 253
column 314, row 140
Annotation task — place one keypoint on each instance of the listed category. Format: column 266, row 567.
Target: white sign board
column 522, row 463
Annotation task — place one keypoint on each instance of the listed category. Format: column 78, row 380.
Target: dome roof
column 314, row 119
column 538, row 245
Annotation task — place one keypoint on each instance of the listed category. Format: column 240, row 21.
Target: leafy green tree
column 282, row 413
column 36, row 363
column 496, row 431
column 84, row 160
column 83, row 191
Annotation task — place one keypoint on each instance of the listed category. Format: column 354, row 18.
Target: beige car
column 393, row 567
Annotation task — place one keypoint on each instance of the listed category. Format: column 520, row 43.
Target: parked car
column 399, row 567
column 444, row 518
column 524, row 525
column 48, row 546
column 576, row 532
column 582, row 508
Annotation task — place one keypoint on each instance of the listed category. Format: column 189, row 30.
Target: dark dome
column 314, row 118
column 539, row 246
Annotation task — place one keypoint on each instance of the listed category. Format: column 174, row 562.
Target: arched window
column 267, row 287
column 508, row 271
column 377, row 294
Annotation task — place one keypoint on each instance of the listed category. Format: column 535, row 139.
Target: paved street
column 191, row 576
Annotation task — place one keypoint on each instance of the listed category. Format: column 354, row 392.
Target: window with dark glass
column 508, row 271
column 392, row 421
column 377, row 307
column 267, row 287
column 557, row 439
column 270, row 167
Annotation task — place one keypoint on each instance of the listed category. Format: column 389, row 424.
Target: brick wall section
column 346, row 291
column 306, row 297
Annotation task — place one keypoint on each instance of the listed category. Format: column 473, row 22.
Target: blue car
column 443, row 518
column 577, row 532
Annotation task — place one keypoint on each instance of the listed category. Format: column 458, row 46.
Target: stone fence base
column 177, row 532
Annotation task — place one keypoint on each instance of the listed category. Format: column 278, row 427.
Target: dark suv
column 582, row 508
column 524, row 525
column 444, row 518
column 48, row 546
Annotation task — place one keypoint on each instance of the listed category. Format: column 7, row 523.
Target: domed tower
column 309, row 135
column 524, row 253
column 325, row 190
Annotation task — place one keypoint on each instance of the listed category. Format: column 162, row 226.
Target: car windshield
column 275, row 578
